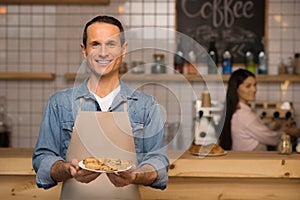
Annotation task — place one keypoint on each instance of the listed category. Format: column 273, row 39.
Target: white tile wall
column 46, row 38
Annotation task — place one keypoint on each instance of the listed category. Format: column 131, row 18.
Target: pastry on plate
column 211, row 149
column 106, row 164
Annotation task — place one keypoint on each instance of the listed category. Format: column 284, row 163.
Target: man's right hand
column 62, row 171
column 81, row 175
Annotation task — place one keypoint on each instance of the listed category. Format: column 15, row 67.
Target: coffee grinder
column 207, row 115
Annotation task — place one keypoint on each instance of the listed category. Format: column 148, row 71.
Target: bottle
column 262, row 63
column 179, row 62
column 262, row 58
column 297, row 63
column 159, row 64
column 249, row 59
column 212, row 51
column 5, row 125
column 191, row 65
column 227, row 62
column 290, row 65
column 282, row 69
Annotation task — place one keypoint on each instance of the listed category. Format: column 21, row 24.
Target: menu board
column 235, row 25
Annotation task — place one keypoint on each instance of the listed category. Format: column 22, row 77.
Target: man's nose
column 102, row 52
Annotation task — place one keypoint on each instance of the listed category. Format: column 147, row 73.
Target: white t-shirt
column 106, row 101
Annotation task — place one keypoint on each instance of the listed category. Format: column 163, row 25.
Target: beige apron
column 103, row 135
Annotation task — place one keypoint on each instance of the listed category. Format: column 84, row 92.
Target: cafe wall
column 46, row 38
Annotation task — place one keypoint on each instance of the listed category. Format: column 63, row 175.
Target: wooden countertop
column 16, row 161
column 238, row 164
column 233, row 164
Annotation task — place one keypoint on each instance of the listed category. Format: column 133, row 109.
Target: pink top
column 248, row 130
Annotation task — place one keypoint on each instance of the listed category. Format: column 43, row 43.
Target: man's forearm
column 146, row 175
column 60, row 171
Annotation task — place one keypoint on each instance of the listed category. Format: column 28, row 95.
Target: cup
column 206, row 101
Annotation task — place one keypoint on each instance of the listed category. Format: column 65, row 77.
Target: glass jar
column 285, row 145
column 159, row 64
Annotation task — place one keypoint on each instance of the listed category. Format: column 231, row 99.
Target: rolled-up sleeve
column 47, row 149
column 156, row 153
column 43, row 178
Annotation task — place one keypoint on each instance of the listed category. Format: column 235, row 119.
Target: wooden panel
column 237, row 175
column 225, row 189
column 54, row 2
column 24, row 187
column 26, row 76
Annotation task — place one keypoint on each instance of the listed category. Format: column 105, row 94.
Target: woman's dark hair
column 231, row 105
column 105, row 19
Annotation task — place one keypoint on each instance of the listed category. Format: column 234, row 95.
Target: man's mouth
column 103, row 62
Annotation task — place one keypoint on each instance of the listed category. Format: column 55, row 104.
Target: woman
column 243, row 129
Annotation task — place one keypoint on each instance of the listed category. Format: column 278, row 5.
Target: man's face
column 103, row 49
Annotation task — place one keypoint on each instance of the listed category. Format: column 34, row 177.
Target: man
column 103, row 46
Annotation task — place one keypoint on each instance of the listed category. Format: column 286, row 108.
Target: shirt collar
column 245, row 106
column 82, row 91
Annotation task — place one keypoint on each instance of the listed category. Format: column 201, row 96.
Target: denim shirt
column 58, row 121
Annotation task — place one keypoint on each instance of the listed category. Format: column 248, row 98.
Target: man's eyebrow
column 111, row 40
column 94, row 42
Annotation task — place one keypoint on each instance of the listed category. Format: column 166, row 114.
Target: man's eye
column 94, row 45
column 111, row 44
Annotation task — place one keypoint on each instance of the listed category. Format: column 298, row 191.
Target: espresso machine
column 207, row 115
column 273, row 114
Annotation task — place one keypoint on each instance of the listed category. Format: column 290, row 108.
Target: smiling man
column 104, row 96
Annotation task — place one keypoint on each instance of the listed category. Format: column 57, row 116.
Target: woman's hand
column 290, row 129
column 293, row 131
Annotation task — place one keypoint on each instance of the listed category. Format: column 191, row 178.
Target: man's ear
column 83, row 50
column 124, row 49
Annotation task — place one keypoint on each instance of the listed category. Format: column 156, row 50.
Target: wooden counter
column 237, row 175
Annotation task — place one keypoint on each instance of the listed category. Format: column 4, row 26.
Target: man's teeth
column 103, row 61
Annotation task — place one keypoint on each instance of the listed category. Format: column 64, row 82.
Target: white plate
column 210, row 155
column 80, row 164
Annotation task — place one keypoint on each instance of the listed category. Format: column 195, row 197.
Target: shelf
column 99, row 2
column 194, row 78
column 26, row 76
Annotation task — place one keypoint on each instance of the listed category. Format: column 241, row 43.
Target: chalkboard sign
column 235, row 25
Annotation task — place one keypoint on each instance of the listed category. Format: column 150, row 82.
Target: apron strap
column 125, row 107
column 80, row 104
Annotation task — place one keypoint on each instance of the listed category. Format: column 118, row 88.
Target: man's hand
column 122, row 179
column 81, row 175
column 144, row 176
column 61, row 171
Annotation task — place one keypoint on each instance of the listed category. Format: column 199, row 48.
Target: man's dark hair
column 105, row 19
